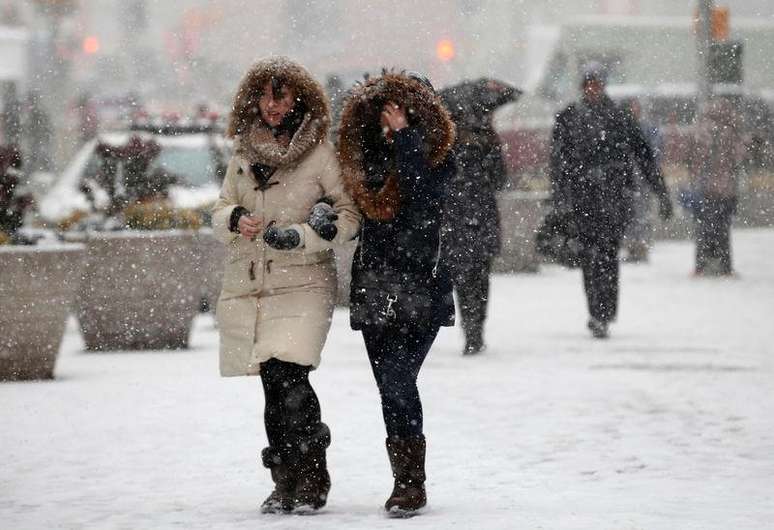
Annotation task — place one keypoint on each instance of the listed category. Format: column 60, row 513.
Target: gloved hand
column 281, row 238
column 665, row 208
column 321, row 219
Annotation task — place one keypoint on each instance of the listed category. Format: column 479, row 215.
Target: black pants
column 472, row 285
column 292, row 409
column 713, row 234
column 599, row 263
column 396, row 356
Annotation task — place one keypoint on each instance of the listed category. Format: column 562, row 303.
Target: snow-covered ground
column 669, row 425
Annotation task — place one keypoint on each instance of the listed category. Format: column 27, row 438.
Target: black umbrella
column 471, row 103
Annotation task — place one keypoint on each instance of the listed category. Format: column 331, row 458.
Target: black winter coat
column 400, row 190
column 407, row 250
column 471, row 216
column 594, row 152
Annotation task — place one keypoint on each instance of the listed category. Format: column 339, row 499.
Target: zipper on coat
column 438, row 255
column 252, row 271
column 362, row 244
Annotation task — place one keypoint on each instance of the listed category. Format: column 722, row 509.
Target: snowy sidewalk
column 668, row 425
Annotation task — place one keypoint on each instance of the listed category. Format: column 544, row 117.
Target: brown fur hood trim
column 252, row 137
column 427, row 110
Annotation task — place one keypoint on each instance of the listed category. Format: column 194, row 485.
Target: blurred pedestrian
column 12, row 116
column 471, row 217
column 395, row 143
column 596, row 147
column 639, row 233
column 12, row 203
column 88, row 118
column 40, row 134
column 279, row 286
column 717, row 158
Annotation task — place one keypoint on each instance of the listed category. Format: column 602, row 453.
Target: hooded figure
column 280, row 279
column 395, row 143
column 471, row 217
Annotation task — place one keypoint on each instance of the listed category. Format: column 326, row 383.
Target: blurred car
column 195, row 154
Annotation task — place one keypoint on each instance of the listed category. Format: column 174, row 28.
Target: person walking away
column 719, row 149
column 395, row 143
column 471, row 216
column 279, row 285
column 595, row 148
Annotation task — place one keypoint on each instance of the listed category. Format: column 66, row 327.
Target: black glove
column 281, row 238
column 236, row 213
column 665, row 208
column 321, row 219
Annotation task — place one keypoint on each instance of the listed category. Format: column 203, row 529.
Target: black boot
column 314, row 482
column 598, row 328
column 407, row 458
column 283, row 472
column 474, row 338
column 474, row 345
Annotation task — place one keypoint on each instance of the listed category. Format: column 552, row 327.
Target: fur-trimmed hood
column 253, row 138
column 425, row 109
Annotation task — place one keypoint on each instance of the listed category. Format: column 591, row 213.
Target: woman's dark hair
column 295, row 116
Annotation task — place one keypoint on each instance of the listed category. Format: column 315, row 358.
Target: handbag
column 392, row 304
column 394, row 299
column 557, row 239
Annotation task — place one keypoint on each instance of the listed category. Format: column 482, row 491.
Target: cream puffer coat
column 275, row 303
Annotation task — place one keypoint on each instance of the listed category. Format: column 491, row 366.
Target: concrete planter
column 140, row 290
column 520, row 216
column 37, row 288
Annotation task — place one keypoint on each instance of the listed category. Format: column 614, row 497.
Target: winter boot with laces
column 407, row 459
column 314, row 482
column 282, row 466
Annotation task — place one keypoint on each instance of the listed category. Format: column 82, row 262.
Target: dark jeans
column 396, row 356
column 713, row 233
column 292, row 409
column 599, row 263
column 472, row 285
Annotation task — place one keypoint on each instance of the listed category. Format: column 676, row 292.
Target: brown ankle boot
column 314, row 482
column 407, row 458
column 283, row 473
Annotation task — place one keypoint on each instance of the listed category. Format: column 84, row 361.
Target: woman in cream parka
column 281, row 209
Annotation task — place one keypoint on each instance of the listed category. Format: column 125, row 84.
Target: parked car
column 194, row 154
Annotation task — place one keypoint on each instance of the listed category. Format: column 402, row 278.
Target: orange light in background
column 90, row 45
column 721, row 23
column 445, row 50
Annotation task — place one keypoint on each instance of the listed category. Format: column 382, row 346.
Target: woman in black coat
column 395, row 141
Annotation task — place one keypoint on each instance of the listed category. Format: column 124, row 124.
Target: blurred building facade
column 174, row 55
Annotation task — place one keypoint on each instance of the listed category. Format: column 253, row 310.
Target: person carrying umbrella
column 471, row 219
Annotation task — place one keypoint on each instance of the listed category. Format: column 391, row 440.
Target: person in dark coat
column 595, row 148
column 471, row 218
column 395, row 143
